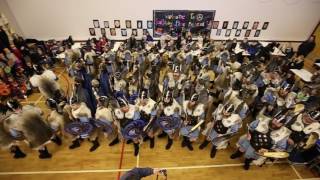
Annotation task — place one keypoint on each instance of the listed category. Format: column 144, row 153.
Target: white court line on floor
column 138, row 159
column 297, row 173
column 121, row 170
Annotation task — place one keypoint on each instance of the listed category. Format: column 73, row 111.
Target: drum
column 168, row 123
column 134, row 129
column 81, row 129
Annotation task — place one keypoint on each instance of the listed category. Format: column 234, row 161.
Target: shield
column 168, row 122
column 134, row 129
column 105, row 124
column 82, row 129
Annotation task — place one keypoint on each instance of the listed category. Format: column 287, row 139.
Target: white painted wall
column 291, row 20
column 4, row 8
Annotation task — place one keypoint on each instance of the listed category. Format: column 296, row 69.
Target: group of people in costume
column 141, row 90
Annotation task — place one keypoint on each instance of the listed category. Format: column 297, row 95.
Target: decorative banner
column 149, row 24
column 134, row 32
column 103, row 31
column 194, row 21
column 238, row 32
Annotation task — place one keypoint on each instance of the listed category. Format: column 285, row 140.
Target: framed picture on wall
column 225, row 24
column 257, row 33
column 96, row 23
column 144, row 31
column 106, row 24
column 134, row 32
column 255, row 25
column 247, row 34
column 92, row 31
column 149, row 24
column 215, row 24
column 238, row 32
column 235, row 25
column 245, row 25
column 128, row 24
column 117, row 23
column 218, row 33
column 228, row 32
column 265, row 25
column 113, row 32
column 139, row 24
column 103, row 31
column 123, row 32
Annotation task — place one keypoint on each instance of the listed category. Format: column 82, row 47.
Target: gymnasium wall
column 289, row 20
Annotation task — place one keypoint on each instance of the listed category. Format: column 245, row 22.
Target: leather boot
column 169, row 144
column 204, row 144
column 44, row 154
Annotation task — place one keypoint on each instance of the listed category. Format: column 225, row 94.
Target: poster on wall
column 128, row 24
column 215, row 24
column 245, row 25
column 117, row 23
column 134, row 32
column 235, row 25
column 96, row 23
column 139, row 24
column 225, row 24
column 149, row 24
column 238, row 32
column 92, row 31
column 103, row 31
column 195, row 21
column 228, row 32
column 255, row 25
column 265, row 25
column 247, row 34
column 124, row 32
column 106, row 24
column 144, row 32
column 113, row 32
column 218, row 33
column 257, row 33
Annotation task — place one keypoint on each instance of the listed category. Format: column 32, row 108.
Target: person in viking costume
column 175, row 82
column 305, row 132
column 57, row 119
column 82, row 126
column 225, row 123
column 10, row 138
column 148, row 111
column 264, row 135
column 104, row 119
column 169, row 117
column 47, row 83
column 119, row 85
column 193, row 117
column 129, row 123
column 26, row 123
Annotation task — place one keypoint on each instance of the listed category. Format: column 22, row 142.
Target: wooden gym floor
column 110, row 162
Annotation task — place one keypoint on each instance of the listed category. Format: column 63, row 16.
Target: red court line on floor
column 121, row 158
